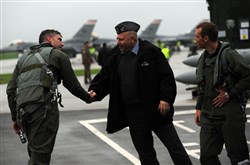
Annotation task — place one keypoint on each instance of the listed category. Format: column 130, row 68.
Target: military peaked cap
column 127, row 26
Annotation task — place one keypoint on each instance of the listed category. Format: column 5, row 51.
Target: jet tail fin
column 85, row 32
column 150, row 32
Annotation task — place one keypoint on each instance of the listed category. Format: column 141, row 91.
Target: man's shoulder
column 146, row 44
column 57, row 57
column 58, row 53
column 147, row 47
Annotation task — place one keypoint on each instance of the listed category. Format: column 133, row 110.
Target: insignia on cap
column 127, row 26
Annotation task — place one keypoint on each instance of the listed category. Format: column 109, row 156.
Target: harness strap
column 30, row 67
column 218, row 64
column 39, row 57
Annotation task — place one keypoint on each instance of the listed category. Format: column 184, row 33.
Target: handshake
column 92, row 97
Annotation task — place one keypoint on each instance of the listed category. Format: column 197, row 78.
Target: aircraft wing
column 185, row 38
column 97, row 42
column 190, row 77
column 17, row 47
column 193, row 60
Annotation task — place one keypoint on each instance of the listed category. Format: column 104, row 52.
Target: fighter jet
column 193, row 60
column 71, row 46
column 190, row 77
column 186, row 39
column 148, row 34
column 74, row 45
column 17, row 46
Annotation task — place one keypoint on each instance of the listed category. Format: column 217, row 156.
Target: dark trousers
column 41, row 135
column 214, row 135
column 87, row 74
column 141, row 134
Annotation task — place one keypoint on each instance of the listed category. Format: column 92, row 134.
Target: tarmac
column 82, row 138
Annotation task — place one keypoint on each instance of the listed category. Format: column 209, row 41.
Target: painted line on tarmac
column 115, row 146
column 184, row 112
column 195, row 152
column 177, row 123
column 122, row 151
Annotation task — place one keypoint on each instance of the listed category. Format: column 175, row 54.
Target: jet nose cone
column 192, row 61
column 187, row 77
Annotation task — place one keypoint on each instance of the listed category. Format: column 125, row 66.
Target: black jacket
column 155, row 82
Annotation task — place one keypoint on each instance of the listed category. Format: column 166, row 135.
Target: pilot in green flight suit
column 218, row 108
column 41, row 119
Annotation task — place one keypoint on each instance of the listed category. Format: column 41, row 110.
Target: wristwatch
column 227, row 95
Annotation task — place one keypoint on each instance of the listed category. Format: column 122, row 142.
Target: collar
column 40, row 46
column 216, row 51
column 136, row 48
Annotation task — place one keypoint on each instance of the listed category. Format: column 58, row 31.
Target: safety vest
column 165, row 51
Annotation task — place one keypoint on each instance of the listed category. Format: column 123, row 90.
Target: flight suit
column 225, row 124
column 41, row 120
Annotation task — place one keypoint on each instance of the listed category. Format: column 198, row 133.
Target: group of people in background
column 142, row 97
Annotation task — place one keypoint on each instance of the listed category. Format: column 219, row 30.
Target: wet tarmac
column 82, row 138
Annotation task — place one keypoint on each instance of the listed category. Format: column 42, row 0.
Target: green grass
column 5, row 78
column 9, row 55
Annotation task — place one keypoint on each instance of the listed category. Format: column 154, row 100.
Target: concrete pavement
column 82, row 139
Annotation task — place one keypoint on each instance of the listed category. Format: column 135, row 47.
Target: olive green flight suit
column 41, row 128
column 225, row 125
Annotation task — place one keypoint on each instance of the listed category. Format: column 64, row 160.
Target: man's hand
column 197, row 117
column 221, row 99
column 16, row 127
column 164, row 107
column 92, row 96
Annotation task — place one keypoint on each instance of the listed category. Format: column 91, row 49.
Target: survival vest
column 218, row 65
column 35, row 77
column 223, row 74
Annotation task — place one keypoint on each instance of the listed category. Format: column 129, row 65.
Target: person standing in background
column 86, row 61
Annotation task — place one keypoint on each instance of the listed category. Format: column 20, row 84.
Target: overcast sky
column 26, row 19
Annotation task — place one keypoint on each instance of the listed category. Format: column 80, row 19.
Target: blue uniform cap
column 127, row 26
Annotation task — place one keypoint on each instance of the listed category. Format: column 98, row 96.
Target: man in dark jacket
column 40, row 120
column 142, row 91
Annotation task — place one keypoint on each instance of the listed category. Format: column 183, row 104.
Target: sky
column 26, row 19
